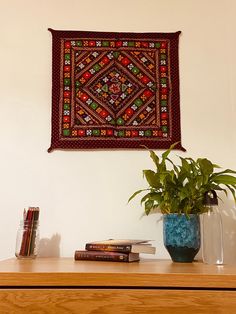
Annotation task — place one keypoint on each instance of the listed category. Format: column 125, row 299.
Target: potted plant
column 177, row 191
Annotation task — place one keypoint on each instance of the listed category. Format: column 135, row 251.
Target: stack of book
column 115, row 250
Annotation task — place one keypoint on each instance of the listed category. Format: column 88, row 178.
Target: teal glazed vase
column 181, row 236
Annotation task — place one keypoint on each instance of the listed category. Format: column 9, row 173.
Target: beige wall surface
column 83, row 194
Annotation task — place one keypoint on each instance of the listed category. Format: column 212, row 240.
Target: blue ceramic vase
column 181, row 236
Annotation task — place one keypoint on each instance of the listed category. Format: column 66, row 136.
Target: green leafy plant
column 180, row 188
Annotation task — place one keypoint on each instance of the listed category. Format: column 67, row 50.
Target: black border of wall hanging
column 115, row 90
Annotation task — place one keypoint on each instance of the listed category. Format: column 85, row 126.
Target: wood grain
column 62, row 285
column 100, row 301
column 146, row 273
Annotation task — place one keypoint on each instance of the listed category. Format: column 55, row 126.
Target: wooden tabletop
column 146, row 273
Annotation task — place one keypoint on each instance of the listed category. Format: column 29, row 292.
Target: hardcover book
column 126, row 246
column 106, row 256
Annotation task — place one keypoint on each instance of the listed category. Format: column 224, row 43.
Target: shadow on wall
column 50, row 247
column 228, row 214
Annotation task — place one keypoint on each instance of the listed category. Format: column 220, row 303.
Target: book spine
column 101, row 256
column 108, row 247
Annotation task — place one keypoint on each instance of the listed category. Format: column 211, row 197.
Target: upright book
column 125, row 246
column 105, row 256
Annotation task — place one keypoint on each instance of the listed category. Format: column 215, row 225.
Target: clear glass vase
column 27, row 239
column 212, row 237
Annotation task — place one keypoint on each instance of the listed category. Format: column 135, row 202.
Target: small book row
column 115, row 250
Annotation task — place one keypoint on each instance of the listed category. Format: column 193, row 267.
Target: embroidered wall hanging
column 115, row 90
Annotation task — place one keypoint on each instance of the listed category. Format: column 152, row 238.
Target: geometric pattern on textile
column 115, row 90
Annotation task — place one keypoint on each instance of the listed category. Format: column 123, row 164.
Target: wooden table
column 62, row 285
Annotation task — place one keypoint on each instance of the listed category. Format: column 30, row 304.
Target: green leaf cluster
column 180, row 188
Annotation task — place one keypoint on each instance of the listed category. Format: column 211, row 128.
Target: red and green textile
column 115, row 90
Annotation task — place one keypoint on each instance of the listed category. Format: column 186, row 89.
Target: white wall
column 83, row 194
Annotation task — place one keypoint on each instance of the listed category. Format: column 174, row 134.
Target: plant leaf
column 136, row 193
column 174, row 166
column 145, row 197
column 155, row 158
column 216, row 166
column 225, row 171
column 185, row 164
column 232, row 190
column 167, row 152
column 152, row 178
column 148, row 206
column 224, row 179
column 205, row 165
